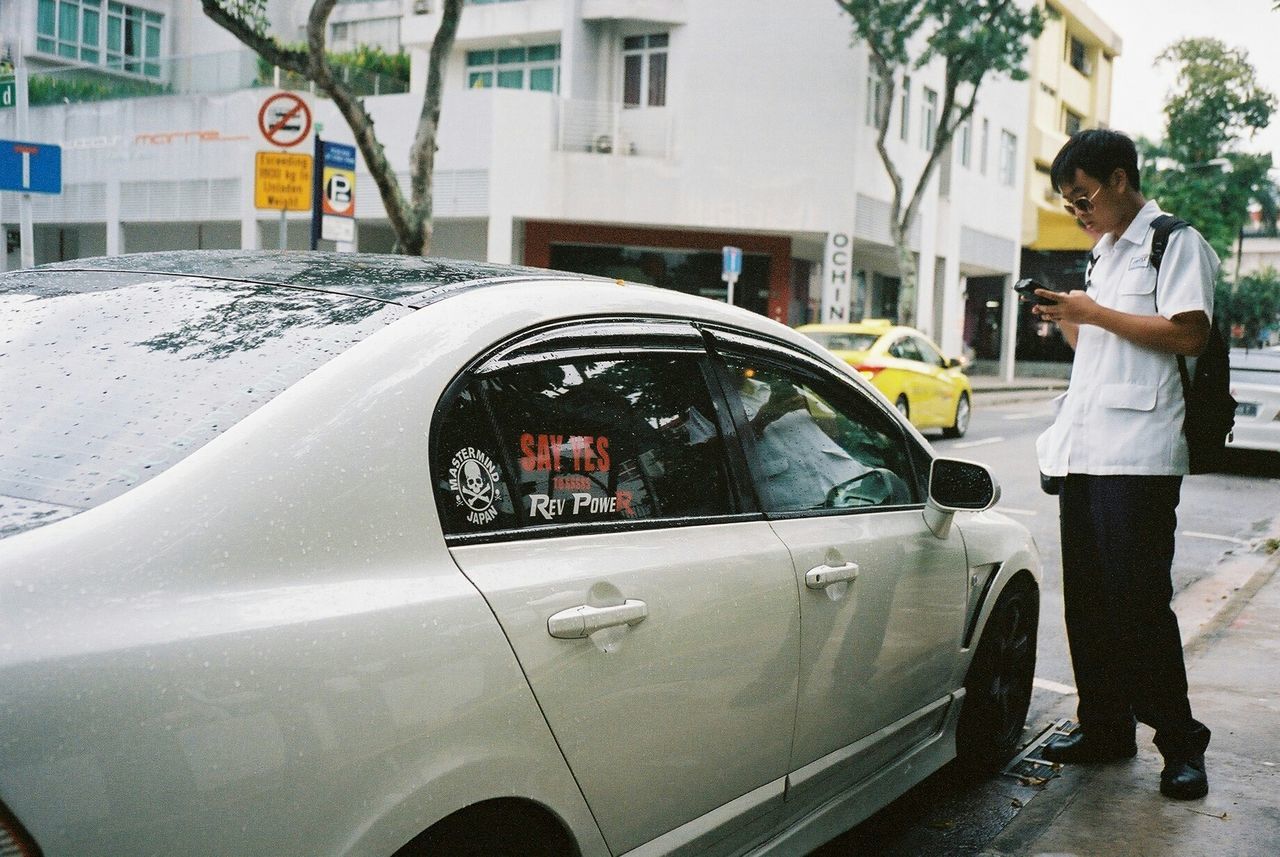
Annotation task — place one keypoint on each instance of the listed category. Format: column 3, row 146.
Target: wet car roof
column 411, row 281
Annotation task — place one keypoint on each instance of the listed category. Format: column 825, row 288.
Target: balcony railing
column 198, row 74
column 608, row 128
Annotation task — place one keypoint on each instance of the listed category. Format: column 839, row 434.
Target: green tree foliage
column 973, row 39
column 1199, row 172
column 1253, row 303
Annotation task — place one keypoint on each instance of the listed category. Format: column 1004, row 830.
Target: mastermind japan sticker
column 473, row 479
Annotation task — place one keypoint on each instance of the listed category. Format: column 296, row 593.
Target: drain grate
column 1027, row 767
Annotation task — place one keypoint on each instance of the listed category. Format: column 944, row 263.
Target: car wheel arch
column 516, row 823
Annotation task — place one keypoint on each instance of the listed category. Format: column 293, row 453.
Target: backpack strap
column 1162, row 227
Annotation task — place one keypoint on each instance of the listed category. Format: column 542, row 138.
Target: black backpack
column 1211, row 410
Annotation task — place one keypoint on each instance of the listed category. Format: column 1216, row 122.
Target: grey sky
column 1147, row 27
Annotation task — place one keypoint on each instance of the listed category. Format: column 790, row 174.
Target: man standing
column 1118, row 442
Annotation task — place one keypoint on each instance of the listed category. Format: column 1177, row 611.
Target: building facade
column 632, row 138
column 1071, row 67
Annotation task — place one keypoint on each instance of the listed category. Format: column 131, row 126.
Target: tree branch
column 265, row 46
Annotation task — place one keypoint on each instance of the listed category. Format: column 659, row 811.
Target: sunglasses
column 1083, row 205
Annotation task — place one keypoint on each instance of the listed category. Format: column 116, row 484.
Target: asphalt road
column 950, row 814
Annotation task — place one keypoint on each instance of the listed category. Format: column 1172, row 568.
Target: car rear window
column 843, row 341
column 107, row 379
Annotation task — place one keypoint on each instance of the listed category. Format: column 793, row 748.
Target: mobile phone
column 1027, row 289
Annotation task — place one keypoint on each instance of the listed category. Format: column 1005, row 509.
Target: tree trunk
column 906, row 273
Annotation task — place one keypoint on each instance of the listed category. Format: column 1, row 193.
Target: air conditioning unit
column 422, row 7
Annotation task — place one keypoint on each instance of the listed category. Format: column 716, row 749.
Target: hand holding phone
column 1027, row 289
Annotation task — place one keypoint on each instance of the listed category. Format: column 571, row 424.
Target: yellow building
column 1071, row 67
column 1071, row 72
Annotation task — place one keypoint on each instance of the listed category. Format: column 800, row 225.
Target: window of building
column 966, row 141
column 905, row 130
column 1071, row 121
column 1008, row 158
column 984, row 147
column 120, row 37
column 875, row 97
column 644, row 70
column 1078, row 56
column 380, row 32
column 536, row 67
column 928, row 118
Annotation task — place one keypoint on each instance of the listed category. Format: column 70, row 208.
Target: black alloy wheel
column 998, row 686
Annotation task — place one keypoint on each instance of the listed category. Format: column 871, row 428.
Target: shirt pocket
column 1138, row 281
column 1131, row 397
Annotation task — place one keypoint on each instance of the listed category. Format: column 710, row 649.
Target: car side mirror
column 958, row 486
column 955, row 362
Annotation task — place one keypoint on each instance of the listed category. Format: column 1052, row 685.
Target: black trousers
column 1117, row 552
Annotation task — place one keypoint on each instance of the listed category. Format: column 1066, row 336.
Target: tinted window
column 905, row 349
column 473, row 493
column 818, row 444
column 108, row 379
column 610, row 440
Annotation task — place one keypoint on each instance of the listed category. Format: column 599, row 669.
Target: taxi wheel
column 998, row 687
column 961, row 425
column 902, row 406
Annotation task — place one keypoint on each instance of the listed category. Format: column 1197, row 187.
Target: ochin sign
column 837, row 278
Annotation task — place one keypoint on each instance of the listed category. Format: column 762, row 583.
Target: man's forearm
column 1185, row 334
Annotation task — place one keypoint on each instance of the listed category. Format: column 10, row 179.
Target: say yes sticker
column 474, row 478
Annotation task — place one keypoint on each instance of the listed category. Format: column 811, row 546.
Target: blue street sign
column 30, row 167
column 339, row 156
column 732, row 262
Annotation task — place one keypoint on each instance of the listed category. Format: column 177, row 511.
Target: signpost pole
column 27, row 256
column 317, row 186
column 284, row 229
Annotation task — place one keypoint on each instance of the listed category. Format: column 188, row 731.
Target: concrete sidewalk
column 1233, row 660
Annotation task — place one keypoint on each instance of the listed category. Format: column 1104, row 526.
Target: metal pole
column 317, row 182
column 284, row 230
column 27, row 257
column 730, row 280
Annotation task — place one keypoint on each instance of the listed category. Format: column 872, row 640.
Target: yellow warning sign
column 282, row 181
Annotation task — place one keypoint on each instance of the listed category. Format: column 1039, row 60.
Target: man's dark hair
column 1098, row 152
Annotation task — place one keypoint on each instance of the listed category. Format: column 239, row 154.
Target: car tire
column 961, row 425
column 903, row 406
column 998, row 686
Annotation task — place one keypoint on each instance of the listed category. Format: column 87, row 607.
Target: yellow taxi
column 905, row 365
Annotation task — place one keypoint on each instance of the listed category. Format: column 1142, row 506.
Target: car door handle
column 824, row 575
column 584, row 620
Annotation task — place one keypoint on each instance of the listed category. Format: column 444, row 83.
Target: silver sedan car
column 309, row 554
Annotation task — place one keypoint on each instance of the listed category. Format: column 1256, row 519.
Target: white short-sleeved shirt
column 1122, row 412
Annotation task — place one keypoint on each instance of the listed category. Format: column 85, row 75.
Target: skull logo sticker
column 473, row 479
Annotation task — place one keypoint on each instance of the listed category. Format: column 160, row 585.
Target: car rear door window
column 584, row 441
column 905, row 349
column 815, row 443
column 617, row 440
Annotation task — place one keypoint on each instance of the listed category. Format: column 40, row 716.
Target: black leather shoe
column 1184, row 779
column 1078, row 747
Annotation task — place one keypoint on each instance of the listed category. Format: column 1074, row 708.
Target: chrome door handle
column 584, row 620
column 825, row 575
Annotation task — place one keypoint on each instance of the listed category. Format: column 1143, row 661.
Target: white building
column 628, row 137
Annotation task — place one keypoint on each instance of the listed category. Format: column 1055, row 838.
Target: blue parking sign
column 30, row 167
